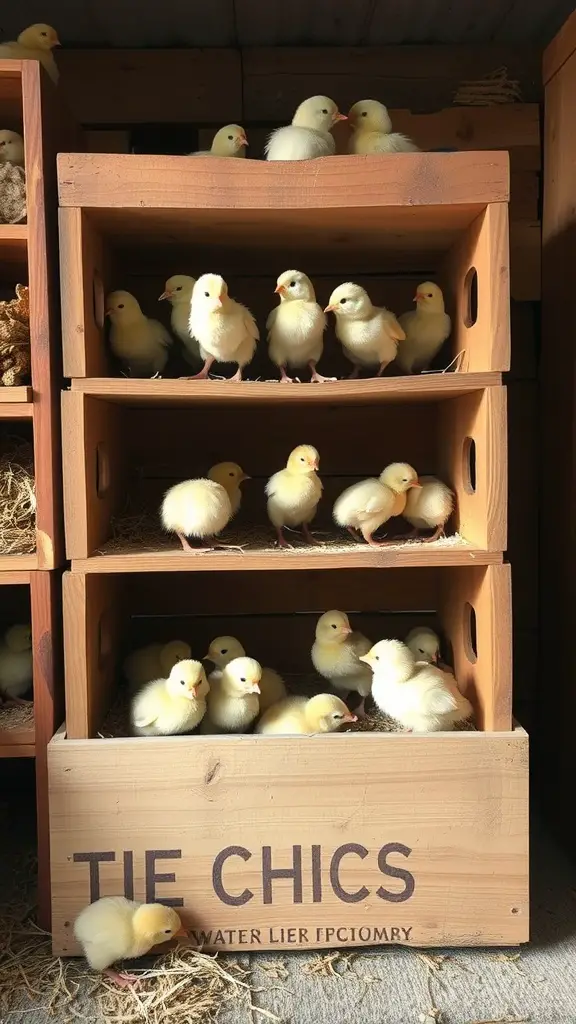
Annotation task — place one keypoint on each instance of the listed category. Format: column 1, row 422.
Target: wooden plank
column 525, row 260
column 18, row 563
column 323, row 23
column 559, row 51
column 84, row 268
column 14, row 577
column 15, row 410
column 523, row 492
column 16, row 396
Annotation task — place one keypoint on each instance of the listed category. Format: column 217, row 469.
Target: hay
column 12, row 194
column 17, row 498
column 16, row 717
column 491, row 90
column 325, row 964
column 15, row 339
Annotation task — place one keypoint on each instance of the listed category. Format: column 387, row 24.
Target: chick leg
column 360, row 711
column 367, row 534
column 282, row 539
column 284, row 378
column 355, row 373
column 317, row 378
column 186, row 546
column 438, row 532
column 353, row 532
column 203, row 372
column 122, row 978
column 238, row 375
column 307, row 535
column 382, row 368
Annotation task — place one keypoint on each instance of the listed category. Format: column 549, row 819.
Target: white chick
column 295, row 327
column 233, row 701
column 203, row 508
column 336, row 656
column 424, row 644
column 16, row 663
column 294, row 493
column 372, row 130
column 229, row 141
column 365, row 506
column 11, row 148
column 429, row 507
column 166, row 707
column 139, row 343
column 114, row 928
column 225, row 329
column 369, row 334
column 419, row 696
column 35, row 43
column 154, row 661
column 426, row 328
column 178, row 291
column 225, row 649
column 300, row 716
column 309, row 135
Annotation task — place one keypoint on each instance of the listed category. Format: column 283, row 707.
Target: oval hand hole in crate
column 102, row 471
column 98, row 300
column 470, row 637
column 470, row 306
column 469, row 465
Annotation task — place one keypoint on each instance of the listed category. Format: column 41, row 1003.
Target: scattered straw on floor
column 16, row 717
column 17, row 498
column 328, row 965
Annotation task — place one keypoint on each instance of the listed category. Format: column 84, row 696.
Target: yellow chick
column 424, row 644
column 309, row 135
column 419, row 696
column 429, row 507
column 35, row 43
column 225, row 649
column 166, row 707
column 294, row 493
column 336, row 656
column 114, row 928
column 178, row 291
column 155, row 661
column 203, row 508
column 369, row 334
column 233, row 701
column 367, row 505
column 11, row 148
column 16, row 663
column 141, row 344
column 427, row 327
column 372, row 130
column 300, row 716
column 229, row 141
column 225, row 329
column 295, row 327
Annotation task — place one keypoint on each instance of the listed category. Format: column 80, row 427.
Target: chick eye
column 231, row 138
column 121, row 306
column 343, row 302
column 334, row 625
column 43, row 33
column 428, row 295
column 404, row 479
column 364, row 113
column 179, row 288
column 224, row 650
column 302, row 459
column 337, row 717
column 324, row 111
column 182, row 682
column 207, row 294
column 230, row 474
column 292, row 284
column 376, row 657
column 167, row 931
column 243, row 680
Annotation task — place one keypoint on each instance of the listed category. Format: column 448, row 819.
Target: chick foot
column 284, row 378
column 122, row 978
column 438, row 532
column 283, row 543
column 382, row 368
column 360, row 711
column 316, row 377
column 376, row 543
column 237, row 376
column 355, row 373
column 308, row 537
column 186, row 546
column 203, row 372
column 355, row 534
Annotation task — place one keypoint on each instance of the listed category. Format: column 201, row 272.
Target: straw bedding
column 17, row 498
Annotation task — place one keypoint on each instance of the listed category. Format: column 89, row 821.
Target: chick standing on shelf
column 178, row 291
column 202, row 508
column 35, row 43
column 225, row 649
column 426, row 327
column 114, row 928
column 139, row 343
column 166, row 707
column 372, row 130
column 16, row 664
column 430, row 507
column 309, row 135
column 233, row 701
column 229, row 141
column 367, row 505
column 369, row 334
column 294, row 493
column 225, row 329
column 424, row 644
column 295, row 327
column 11, row 148
column 300, row 716
column 336, row 656
column 154, row 661
column 421, row 697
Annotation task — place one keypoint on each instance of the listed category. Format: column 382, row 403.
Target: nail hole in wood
column 470, row 307
column 469, row 465
column 470, row 639
column 102, row 471
column 98, row 299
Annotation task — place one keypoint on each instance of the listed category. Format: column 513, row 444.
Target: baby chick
column 299, row 716
column 139, row 343
column 367, row 505
column 294, row 493
column 419, row 696
column 372, row 130
column 229, row 141
column 309, row 134
column 166, row 707
column 336, row 656
column 178, row 290
column 369, row 334
column 202, row 508
column 16, row 663
column 225, row 649
column 429, row 507
column 114, row 928
column 424, row 644
column 35, row 43
column 233, row 701
column 225, row 329
column 11, row 148
column 154, row 661
column 295, row 327
column 426, row 328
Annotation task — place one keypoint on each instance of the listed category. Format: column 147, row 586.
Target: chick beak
column 108, row 312
column 315, row 465
column 279, row 289
column 243, row 141
column 366, row 658
column 415, row 483
column 330, row 309
column 56, row 42
column 181, row 933
column 165, row 295
column 435, row 658
column 244, row 477
column 218, row 302
column 340, row 117
column 192, row 689
column 346, row 630
column 350, row 718
column 255, row 688
column 417, row 296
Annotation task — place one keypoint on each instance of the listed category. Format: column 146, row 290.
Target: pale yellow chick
column 141, row 344
column 225, row 329
column 372, row 130
column 336, row 656
column 295, row 327
column 35, row 43
column 155, row 661
column 228, row 141
column 11, row 148
column 114, row 928
column 309, row 136
column 167, row 707
column 225, row 649
column 369, row 334
column 429, row 507
column 367, row 505
column 294, row 493
column 300, row 716
column 233, row 701
column 203, row 508
column 424, row 644
column 16, row 663
column 178, row 291
column 427, row 327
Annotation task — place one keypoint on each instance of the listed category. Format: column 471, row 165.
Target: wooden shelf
column 20, row 739
column 15, row 396
column 14, row 252
column 18, row 563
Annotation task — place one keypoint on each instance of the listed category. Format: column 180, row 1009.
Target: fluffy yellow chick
column 229, row 141
column 11, row 148
column 141, row 344
column 336, row 655
column 424, row 644
column 367, row 505
column 295, row 327
column 419, row 696
column 178, row 291
column 225, row 329
column 369, row 334
column 16, row 663
column 154, row 661
column 166, row 707
column 426, row 328
column 372, row 130
column 35, row 43
column 202, row 508
column 233, row 701
column 294, row 493
column 429, row 507
column 300, row 716
column 309, row 135
column 225, row 649
column 114, row 928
